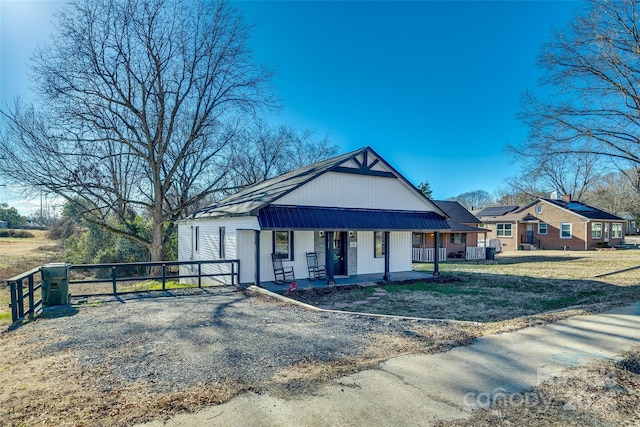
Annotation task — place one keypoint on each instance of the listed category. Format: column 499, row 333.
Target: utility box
column 491, row 253
column 55, row 283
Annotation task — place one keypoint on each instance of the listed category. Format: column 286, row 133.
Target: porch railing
column 474, row 252
column 427, row 254
column 23, row 287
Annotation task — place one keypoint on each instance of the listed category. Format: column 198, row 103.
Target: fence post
column 113, row 279
column 14, row 301
column 32, row 309
column 20, row 299
column 199, row 275
column 238, row 274
column 164, row 272
column 233, row 273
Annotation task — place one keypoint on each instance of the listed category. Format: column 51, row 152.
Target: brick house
column 456, row 241
column 552, row 224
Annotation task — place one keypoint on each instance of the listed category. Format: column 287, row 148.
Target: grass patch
column 514, row 286
column 434, row 286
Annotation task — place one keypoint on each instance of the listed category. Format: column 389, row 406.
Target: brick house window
column 616, row 231
column 596, row 230
column 542, row 228
column 503, row 230
column 565, row 230
column 458, row 238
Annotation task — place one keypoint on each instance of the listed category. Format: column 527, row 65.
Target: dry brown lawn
column 59, row 386
column 18, row 255
column 515, row 286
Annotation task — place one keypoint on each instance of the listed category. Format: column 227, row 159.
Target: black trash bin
column 55, row 283
column 491, row 253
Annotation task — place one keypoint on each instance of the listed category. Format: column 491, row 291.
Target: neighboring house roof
column 497, row 210
column 515, row 213
column 584, row 210
column 457, row 212
column 250, row 200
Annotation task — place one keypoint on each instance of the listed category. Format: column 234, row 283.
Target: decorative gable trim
column 364, row 166
column 363, row 170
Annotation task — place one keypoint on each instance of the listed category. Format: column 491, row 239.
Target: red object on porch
column 293, row 286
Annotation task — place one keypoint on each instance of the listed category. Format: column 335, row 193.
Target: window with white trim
column 542, row 228
column 616, row 231
column 223, row 241
column 565, row 230
column 504, row 230
column 538, row 209
column 596, row 230
column 378, row 244
column 283, row 244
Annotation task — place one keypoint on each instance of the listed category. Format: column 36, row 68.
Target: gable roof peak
column 252, row 198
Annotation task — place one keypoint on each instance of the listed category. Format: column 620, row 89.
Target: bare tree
column 613, row 193
column 571, row 174
column 266, row 151
column 139, row 105
column 474, row 200
column 511, row 196
column 592, row 79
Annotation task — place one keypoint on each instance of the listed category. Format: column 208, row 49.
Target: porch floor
column 355, row 279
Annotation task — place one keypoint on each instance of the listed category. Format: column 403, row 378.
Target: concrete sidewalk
column 420, row 389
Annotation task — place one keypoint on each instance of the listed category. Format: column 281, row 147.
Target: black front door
column 340, row 253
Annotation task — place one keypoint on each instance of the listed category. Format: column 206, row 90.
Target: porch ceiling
column 276, row 217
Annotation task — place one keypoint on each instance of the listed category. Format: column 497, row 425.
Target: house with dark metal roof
column 553, row 224
column 355, row 212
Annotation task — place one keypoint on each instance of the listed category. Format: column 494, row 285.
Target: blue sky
column 433, row 87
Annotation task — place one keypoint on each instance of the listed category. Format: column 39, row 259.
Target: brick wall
column 554, row 216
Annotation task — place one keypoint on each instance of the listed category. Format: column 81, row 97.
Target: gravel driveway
column 213, row 337
column 215, row 341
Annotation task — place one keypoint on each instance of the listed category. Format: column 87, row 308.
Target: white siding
column 344, row 190
column 208, row 245
column 266, row 247
column 302, row 243
column 246, row 253
column 399, row 253
column 367, row 264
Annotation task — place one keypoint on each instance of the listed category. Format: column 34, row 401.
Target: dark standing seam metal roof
column 276, row 217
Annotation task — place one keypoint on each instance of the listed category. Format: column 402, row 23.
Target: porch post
column 328, row 244
column 436, row 254
column 387, row 275
column 256, row 235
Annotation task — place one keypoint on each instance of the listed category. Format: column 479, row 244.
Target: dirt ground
column 132, row 359
column 124, row 361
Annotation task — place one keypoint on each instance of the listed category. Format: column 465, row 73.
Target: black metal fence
column 23, row 287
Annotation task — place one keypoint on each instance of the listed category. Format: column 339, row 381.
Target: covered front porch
column 355, row 279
